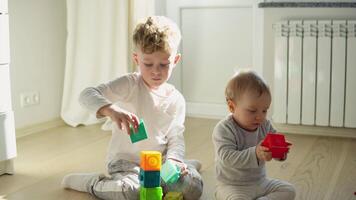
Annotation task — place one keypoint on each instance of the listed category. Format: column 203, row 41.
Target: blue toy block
column 170, row 172
column 150, row 179
column 151, row 193
column 140, row 135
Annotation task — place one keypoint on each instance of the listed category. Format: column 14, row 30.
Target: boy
column 239, row 157
column 147, row 95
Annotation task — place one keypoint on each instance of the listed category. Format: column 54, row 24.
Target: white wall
column 38, row 38
column 37, row 43
column 272, row 15
column 160, row 7
column 219, row 38
column 269, row 16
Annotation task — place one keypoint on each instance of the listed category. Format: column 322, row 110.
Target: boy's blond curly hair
column 245, row 81
column 156, row 33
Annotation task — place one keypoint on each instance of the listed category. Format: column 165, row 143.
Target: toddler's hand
column 121, row 117
column 263, row 153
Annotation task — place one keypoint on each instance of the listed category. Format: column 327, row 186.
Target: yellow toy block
column 173, row 196
column 151, row 160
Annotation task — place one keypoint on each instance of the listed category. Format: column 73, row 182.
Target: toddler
column 239, row 157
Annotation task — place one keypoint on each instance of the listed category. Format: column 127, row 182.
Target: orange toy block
column 151, row 160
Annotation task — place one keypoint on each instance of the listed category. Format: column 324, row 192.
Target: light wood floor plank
column 345, row 186
column 301, row 146
column 313, row 174
column 46, row 153
column 198, row 132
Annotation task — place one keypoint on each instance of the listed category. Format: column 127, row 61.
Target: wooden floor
column 320, row 167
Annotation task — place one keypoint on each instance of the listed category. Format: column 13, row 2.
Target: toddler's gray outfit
column 239, row 173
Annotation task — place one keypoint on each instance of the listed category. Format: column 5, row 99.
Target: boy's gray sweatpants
column 123, row 183
column 267, row 189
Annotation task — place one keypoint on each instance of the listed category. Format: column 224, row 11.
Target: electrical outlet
column 30, row 98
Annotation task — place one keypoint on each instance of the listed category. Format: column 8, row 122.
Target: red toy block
column 277, row 144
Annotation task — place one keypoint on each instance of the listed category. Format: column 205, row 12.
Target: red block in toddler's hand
column 277, row 144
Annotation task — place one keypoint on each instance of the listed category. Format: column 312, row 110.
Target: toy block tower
column 150, row 178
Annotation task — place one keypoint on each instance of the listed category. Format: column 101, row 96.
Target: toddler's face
column 251, row 110
column 156, row 68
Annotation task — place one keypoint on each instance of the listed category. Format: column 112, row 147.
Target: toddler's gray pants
column 267, row 189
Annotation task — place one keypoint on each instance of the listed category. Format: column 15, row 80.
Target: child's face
column 156, row 68
column 250, row 110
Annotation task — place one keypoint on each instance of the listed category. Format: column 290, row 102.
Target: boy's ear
column 135, row 57
column 177, row 58
column 231, row 105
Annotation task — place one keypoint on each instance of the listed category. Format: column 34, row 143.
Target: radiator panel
column 280, row 74
column 320, row 68
column 294, row 75
column 309, row 73
column 338, row 76
column 323, row 80
column 350, row 102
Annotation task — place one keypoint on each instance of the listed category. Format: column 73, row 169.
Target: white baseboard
column 316, row 130
column 21, row 132
column 206, row 110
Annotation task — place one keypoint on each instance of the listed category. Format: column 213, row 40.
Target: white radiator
column 315, row 73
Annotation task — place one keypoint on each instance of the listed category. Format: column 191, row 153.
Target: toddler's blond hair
column 245, row 81
column 156, row 33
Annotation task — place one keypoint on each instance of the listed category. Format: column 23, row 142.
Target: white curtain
column 99, row 48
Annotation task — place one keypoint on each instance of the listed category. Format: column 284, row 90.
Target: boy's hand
column 263, row 153
column 181, row 165
column 121, row 117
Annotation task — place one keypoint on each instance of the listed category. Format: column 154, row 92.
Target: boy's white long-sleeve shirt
column 163, row 116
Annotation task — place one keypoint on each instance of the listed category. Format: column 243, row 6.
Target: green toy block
column 150, row 179
column 170, row 172
column 140, row 135
column 151, row 193
column 173, row 196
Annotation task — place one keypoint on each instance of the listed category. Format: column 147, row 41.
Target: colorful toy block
column 141, row 134
column 277, row 144
column 150, row 179
column 173, row 196
column 151, row 193
column 151, row 160
column 170, row 172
